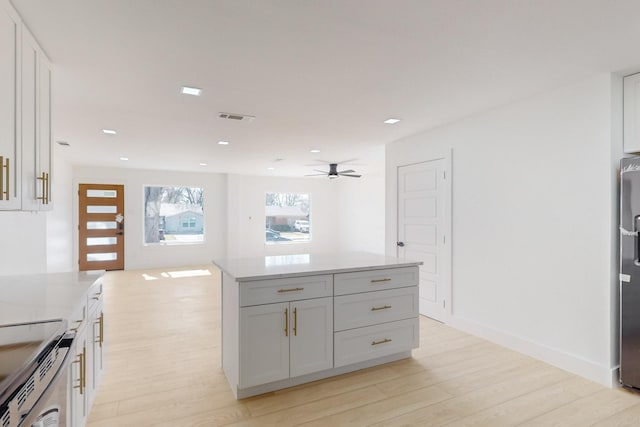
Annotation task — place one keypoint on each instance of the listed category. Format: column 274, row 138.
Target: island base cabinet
column 264, row 344
column 279, row 341
column 357, row 345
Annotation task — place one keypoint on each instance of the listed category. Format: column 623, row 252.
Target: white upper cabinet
column 632, row 113
column 25, row 117
column 36, row 126
column 10, row 196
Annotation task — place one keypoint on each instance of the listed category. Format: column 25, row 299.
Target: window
column 173, row 215
column 287, row 218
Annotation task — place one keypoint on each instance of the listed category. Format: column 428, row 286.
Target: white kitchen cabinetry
column 632, row 113
column 285, row 339
column 288, row 325
column 36, row 126
column 25, row 117
column 78, row 405
column 10, row 150
column 86, row 371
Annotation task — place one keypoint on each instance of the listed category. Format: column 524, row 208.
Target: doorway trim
column 410, row 157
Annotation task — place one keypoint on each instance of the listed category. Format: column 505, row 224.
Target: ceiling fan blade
column 347, row 171
column 349, row 174
column 318, row 170
column 323, row 161
column 317, row 174
column 346, row 161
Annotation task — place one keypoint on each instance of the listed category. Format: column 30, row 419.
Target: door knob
column 401, row 244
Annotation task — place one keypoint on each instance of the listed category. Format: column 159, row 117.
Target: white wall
column 23, row 248
column 246, row 215
column 137, row 254
column 532, row 220
column 362, row 210
column 60, row 228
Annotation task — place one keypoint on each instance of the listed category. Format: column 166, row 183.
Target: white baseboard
column 585, row 368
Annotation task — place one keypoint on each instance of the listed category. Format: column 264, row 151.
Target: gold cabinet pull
column 4, row 178
column 81, row 360
column 47, row 188
column 286, row 322
column 380, row 280
column 281, row 291
column 386, row 340
column 100, row 323
column 79, row 323
column 43, row 178
column 384, row 307
column 295, row 321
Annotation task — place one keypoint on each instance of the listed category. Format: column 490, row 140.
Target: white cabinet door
column 10, row 191
column 264, row 344
column 29, row 121
column 632, row 113
column 36, row 126
column 311, row 336
column 78, row 379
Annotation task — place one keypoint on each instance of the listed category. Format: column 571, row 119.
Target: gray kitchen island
column 292, row 319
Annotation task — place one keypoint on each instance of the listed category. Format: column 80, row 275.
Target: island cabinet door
column 264, row 344
column 311, row 336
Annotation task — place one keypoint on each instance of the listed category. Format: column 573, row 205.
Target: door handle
column 119, row 233
column 401, row 244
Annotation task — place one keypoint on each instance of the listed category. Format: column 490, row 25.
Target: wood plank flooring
column 163, row 369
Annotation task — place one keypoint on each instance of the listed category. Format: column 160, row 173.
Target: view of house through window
column 287, row 218
column 173, row 215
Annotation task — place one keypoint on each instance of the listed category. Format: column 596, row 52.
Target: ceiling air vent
column 233, row 116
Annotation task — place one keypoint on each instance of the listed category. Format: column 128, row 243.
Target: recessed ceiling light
column 203, row 164
column 187, row 90
column 223, row 142
column 271, row 168
column 109, row 131
column 314, row 151
column 391, row 121
column 124, row 159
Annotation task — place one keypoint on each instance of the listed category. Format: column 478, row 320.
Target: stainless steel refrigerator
column 630, row 272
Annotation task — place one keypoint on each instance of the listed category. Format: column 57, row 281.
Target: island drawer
column 281, row 290
column 375, row 280
column 372, row 308
column 358, row 345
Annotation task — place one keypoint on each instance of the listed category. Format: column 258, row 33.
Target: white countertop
column 30, row 298
column 279, row 266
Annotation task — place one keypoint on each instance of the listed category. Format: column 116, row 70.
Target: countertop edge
column 252, row 278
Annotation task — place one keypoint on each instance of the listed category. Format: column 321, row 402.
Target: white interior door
column 423, row 223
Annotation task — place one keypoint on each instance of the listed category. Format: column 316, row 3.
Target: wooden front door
column 101, row 227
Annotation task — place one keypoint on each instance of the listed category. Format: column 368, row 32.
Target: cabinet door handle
column 384, row 307
column 47, row 187
column 4, row 179
column 380, row 280
column 295, row 321
column 286, row 322
column 43, row 178
column 81, row 360
column 100, row 323
column 79, row 323
column 386, row 340
column 280, row 291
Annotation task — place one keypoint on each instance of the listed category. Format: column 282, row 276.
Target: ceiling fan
column 333, row 171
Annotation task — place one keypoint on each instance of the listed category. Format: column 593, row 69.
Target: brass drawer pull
column 286, row 322
column 380, row 280
column 295, row 321
column 384, row 307
column 4, row 182
column 79, row 323
column 281, row 291
column 386, row 340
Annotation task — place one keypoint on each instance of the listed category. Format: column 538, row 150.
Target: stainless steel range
column 34, row 364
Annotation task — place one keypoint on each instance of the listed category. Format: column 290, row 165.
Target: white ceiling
column 315, row 73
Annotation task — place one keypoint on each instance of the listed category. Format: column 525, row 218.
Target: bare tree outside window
column 173, row 215
column 287, row 217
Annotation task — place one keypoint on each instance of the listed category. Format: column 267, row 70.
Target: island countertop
column 282, row 266
column 37, row 297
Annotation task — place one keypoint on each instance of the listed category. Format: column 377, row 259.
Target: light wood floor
column 163, row 369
